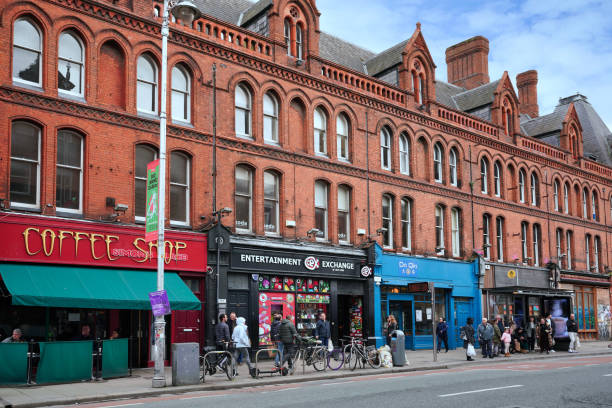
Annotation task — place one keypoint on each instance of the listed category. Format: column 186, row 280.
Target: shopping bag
column 330, row 346
column 470, row 350
column 577, row 341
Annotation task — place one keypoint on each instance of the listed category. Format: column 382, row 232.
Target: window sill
column 271, row 143
column 139, row 221
column 67, row 214
column 180, row 225
column 322, row 155
column 343, row 160
column 182, row 123
column 272, row 234
column 148, row 115
column 17, row 207
column 344, row 243
column 244, row 232
column 246, row 137
column 31, row 87
column 75, row 98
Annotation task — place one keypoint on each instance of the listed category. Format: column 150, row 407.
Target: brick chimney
column 468, row 63
column 527, row 84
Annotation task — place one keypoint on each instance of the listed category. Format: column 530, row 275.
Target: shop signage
column 49, row 240
column 366, row 271
column 159, row 303
column 258, row 260
column 506, row 276
column 152, row 213
column 407, row 268
column 418, row 287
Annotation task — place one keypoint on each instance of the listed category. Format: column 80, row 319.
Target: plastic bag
column 330, row 346
column 470, row 350
column 385, row 356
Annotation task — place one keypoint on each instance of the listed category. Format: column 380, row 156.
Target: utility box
column 185, row 363
column 398, row 348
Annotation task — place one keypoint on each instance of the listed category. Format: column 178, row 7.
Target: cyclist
column 287, row 334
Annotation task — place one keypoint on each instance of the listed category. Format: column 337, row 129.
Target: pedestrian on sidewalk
column 240, row 336
column 497, row 334
column 322, row 330
column 222, row 333
column 275, row 337
column 506, row 338
column 287, row 335
column 544, row 336
column 572, row 331
column 530, row 330
column 467, row 334
column 442, row 334
column 550, row 322
column 485, row 336
column 231, row 323
column 391, row 327
column 520, row 338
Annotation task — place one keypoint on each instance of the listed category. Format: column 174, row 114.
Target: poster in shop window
column 419, row 315
column 270, row 303
column 152, row 214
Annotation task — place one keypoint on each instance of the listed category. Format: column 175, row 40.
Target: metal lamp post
column 185, row 11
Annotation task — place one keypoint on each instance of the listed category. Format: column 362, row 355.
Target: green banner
column 14, row 363
column 114, row 358
column 65, row 361
column 152, row 219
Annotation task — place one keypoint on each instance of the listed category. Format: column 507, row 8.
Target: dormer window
column 299, row 49
column 294, row 32
column 419, row 82
column 288, row 36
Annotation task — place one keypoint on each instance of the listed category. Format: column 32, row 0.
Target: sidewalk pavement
column 139, row 384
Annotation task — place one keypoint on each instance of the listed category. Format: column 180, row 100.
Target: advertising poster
column 270, row 303
column 151, row 223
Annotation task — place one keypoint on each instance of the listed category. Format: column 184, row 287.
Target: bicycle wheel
column 319, row 359
column 354, row 359
column 373, row 358
column 347, row 356
column 227, row 367
column 335, row 359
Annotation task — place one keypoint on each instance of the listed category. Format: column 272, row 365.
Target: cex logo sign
column 311, row 263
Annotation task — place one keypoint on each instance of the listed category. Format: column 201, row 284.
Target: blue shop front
column 397, row 292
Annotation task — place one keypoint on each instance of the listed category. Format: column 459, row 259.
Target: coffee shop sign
column 408, row 268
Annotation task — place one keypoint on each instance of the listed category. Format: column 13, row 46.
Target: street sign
column 152, row 214
column 159, row 303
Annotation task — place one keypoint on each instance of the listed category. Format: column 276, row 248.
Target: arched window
column 456, row 232
column 385, row 148
column 522, row 177
column 25, row 165
column 321, row 201
column 287, row 31
column 497, row 179
column 270, row 119
column 243, row 111
column 320, row 132
column 556, row 195
column 486, row 236
column 587, row 251
column 271, row 203
column 566, row 198
column 180, row 181
column 147, row 85
column 569, row 249
column 69, row 180
column 144, row 155
column 452, row 167
column 524, row 246
column 499, row 231
column 70, row 64
column 387, row 221
column 594, row 206
column 342, row 136
column 585, row 203
column 244, row 198
column 421, row 89
column 484, row 175
column 437, row 158
column 299, row 42
column 439, row 230
column 559, row 237
column 406, row 224
column 535, row 189
column 181, row 94
column 596, row 254
column 404, row 154
column 344, row 214
column 509, row 122
column 536, row 244
column 27, row 52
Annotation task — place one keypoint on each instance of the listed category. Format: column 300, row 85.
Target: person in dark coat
column 467, row 333
column 275, row 337
column 530, row 331
column 323, row 330
column 287, row 334
column 222, row 333
column 391, row 327
column 231, row 323
column 544, row 336
column 442, row 334
column 85, row 333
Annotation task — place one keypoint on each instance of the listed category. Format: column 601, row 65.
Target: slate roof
column 255, row 10
column 445, row 93
column 386, row 59
column 343, row 53
column 477, row 97
column 225, row 10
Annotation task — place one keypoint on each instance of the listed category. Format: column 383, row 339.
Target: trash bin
column 398, row 348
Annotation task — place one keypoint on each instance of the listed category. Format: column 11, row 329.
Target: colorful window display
column 356, row 314
column 307, row 314
column 304, row 285
column 269, row 304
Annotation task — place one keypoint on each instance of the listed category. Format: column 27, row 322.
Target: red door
column 186, row 326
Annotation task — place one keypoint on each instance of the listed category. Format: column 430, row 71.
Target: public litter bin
column 398, row 348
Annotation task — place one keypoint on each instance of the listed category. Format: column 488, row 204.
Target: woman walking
column 544, row 336
column 467, row 334
column 391, row 327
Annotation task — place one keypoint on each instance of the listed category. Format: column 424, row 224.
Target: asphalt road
column 576, row 383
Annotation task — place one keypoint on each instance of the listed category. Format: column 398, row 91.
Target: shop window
column 568, row 249
column 27, row 52
column 181, row 94
column 584, row 308
column 70, row 64
column 25, row 165
column 499, row 230
column 452, row 166
column 179, row 188
column 271, row 203
column 437, row 158
column 537, row 250
column 497, row 179
column 387, row 221
column 535, row 189
column 385, row 148
column 566, row 198
column 407, row 224
column 320, row 132
column 456, row 232
column 342, row 136
column 404, row 154
column 243, row 111
column 69, row 180
column 344, row 217
column 556, row 195
column 484, row 175
column 147, row 85
column 270, row 118
column 439, row 230
column 423, row 316
column 321, row 201
column 244, row 198
column 522, row 177
column 524, row 245
column 144, row 155
column 486, row 236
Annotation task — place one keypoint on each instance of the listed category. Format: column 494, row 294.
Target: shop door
column 402, row 310
column 462, row 312
column 186, row 326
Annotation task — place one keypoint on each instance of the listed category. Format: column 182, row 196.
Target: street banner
column 151, row 224
column 159, row 303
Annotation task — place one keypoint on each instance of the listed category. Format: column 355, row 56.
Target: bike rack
column 217, row 352
column 277, row 370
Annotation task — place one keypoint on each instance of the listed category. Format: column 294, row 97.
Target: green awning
column 92, row 288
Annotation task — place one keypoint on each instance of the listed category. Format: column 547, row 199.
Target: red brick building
column 320, row 143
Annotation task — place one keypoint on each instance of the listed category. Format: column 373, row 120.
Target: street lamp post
column 185, row 11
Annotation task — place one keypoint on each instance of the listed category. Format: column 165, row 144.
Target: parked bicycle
column 213, row 361
column 311, row 352
column 356, row 352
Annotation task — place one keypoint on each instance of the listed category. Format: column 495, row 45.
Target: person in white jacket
column 240, row 336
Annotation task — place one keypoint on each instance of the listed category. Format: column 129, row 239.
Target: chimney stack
column 527, row 84
column 468, row 63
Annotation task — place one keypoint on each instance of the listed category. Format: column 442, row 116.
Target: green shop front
column 58, row 276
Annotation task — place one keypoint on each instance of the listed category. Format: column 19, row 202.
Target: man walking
column 572, row 331
column 485, row 336
column 497, row 335
column 322, row 330
column 288, row 334
column 442, row 334
column 240, row 336
column 222, row 333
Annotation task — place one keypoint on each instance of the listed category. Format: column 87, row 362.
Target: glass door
column 402, row 310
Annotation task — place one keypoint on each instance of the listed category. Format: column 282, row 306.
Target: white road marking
column 124, row 405
column 334, row 383
column 483, row 390
column 202, row 396
column 607, row 375
column 591, row 365
column 284, row 389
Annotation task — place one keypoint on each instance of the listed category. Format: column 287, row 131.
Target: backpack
column 275, row 330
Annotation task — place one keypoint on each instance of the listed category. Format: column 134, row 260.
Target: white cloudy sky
column 568, row 42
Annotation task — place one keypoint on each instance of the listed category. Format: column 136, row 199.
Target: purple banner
column 159, row 303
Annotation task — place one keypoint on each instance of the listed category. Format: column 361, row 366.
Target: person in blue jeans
column 485, row 336
column 322, row 330
column 275, row 337
column 442, row 334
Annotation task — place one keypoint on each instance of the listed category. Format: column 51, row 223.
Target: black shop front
column 299, row 281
